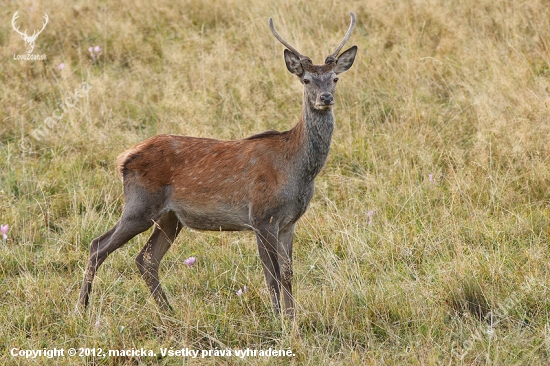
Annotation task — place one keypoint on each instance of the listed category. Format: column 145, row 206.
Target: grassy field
column 427, row 240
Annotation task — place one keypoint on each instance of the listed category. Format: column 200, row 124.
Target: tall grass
column 442, row 130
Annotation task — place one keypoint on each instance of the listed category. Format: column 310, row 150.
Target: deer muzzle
column 325, row 101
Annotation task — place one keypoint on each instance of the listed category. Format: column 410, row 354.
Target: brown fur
column 262, row 183
column 212, row 171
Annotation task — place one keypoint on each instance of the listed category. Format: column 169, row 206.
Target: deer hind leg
column 124, row 230
column 149, row 258
column 284, row 251
column 266, row 237
column 140, row 209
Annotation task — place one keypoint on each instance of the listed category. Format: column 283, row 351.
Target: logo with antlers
column 29, row 40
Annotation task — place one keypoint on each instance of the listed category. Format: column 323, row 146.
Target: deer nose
column 326, row 98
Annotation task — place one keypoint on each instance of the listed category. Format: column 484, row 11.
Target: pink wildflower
column 4, row 231
column 190, row 261
column 370, row 214
column 241, row 291
column 94, row 52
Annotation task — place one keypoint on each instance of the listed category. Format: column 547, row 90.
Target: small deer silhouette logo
column 29, row 40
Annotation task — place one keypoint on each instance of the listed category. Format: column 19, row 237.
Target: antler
column 333, row 56
column 13, row 19
column 35, row 35
column 285, row 43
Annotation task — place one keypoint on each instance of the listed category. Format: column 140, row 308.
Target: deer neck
column 314, row 131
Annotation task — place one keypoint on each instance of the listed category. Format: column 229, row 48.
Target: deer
column 262, row 183
column 29, row 40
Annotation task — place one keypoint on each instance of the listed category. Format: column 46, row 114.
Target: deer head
column 29, row 40
column 319, row 80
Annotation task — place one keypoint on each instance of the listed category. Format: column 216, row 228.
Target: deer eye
column 307, row 81
column 335, row 80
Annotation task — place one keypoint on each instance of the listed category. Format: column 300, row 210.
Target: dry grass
column 442, row 130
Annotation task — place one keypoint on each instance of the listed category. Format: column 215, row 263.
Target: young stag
column 262, row 183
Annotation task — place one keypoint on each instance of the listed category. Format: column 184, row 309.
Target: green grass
column 450, row 270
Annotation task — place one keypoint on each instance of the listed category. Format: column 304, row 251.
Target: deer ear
column 293, row 63
column 345, row 60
